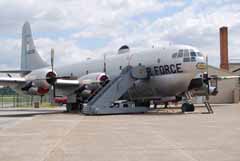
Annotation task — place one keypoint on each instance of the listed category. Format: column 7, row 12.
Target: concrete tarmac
column 145, row 137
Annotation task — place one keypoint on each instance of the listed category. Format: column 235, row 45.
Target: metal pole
column 31, row 100
column 41, row 99
column 13, row 103
column 17, row 100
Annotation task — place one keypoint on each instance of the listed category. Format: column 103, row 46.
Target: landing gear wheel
column 188, row 107
column 69, row 107
column 166, row 105
column 72, row 107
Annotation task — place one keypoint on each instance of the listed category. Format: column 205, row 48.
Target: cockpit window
column 186, row 59
column 193, row 59
column 199, row 54
column 180, row 53
column 174, row 55
column 189, row 55
column 193, row 54
column 186, row 53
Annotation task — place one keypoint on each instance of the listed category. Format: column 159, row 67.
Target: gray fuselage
column 169, row 76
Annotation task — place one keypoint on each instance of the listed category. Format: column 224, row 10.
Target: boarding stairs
column 106, row 99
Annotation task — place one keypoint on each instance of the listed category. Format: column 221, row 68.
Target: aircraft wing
column 6, row 81
column 66, row 82
column 65, row 87
column 15, row 71
column 19, row 80
column 227, row 77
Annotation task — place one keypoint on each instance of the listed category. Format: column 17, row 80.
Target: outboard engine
column 39, row 86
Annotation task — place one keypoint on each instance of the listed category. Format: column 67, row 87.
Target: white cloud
column 66, row 52
column 65, row 24
column 9, row 53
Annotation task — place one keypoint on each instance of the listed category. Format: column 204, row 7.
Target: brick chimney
column 224, row 48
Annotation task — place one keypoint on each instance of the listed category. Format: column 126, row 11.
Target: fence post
column 2, row 101
column 31, row 100
column 17, row 100
column 14, row 103
column 28, row 100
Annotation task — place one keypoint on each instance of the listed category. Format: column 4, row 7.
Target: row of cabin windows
column 189, row 59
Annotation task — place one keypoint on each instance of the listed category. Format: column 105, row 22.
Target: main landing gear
column 73, row 107
column 187, row 107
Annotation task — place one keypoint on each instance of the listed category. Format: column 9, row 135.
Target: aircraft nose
column 200, row 59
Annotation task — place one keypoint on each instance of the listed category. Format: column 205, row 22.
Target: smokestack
column 224, row 48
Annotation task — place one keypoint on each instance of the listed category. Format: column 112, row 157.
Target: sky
column 80, row 29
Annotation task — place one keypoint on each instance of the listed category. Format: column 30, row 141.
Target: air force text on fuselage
column 165, row 69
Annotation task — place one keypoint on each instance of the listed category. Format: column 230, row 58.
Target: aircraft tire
column 188, row 107
column 69, row 107
column 72, row 107
column 191, row 108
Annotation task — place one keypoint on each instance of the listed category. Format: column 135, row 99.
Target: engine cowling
column 51, row 77
column 202, row 91
column 94, row 80
column 37, row 91
column 36, row 86
column 39, row 82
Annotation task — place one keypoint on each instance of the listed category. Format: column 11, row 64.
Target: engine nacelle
column 37, row 91
column 202, row 91
column 51, row 77
column 39, row 82
column 94, row 80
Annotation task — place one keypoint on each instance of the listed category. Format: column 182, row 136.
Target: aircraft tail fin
column 30, row 59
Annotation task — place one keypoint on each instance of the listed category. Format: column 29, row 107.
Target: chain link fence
column 16, row 100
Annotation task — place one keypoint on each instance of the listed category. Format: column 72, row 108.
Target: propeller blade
column 53, row 77
column 54, row 90
column 52, row 58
